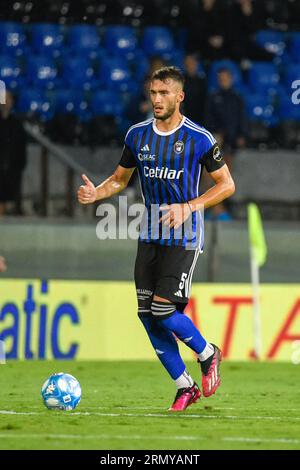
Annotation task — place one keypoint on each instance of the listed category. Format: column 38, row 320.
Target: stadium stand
column 97, row 49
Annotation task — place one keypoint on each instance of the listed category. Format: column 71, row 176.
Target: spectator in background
column 226, row 118
column 140, row 108
column 3, row 266
column 207, row 33
column 195, row 89
column 246, row 17
column 12, row 156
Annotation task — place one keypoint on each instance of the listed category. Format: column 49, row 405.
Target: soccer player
column 169, row 152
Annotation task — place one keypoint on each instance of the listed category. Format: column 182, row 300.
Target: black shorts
column 165, row 271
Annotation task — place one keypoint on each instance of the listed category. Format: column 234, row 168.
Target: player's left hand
column 175, row 214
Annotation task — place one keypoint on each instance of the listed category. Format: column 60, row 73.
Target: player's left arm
column 176, row 214
column 223, row 188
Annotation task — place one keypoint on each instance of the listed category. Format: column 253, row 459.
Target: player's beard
column 169, row 112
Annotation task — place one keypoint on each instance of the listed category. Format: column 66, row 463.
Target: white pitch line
column 280, row 440
column 9, row 412
column 159, row 415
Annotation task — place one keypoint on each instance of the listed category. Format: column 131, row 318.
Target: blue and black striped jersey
column 169, row 165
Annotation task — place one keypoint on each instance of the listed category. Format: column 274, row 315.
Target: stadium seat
column 120, row 40
column 295, row 47
column 12, row 38
column 83, row 39
column 34, row 105
column 157, row 40
column 263, row 77
column 68, row 101
column 272, row 41
column 260, row 107
column 289, row 114
column 105, row 103
column 10, row 72
column 77, row 72
column 41, row 71
column 224, row 64
column 291, row 73
column 115, row 74
column 46, row 38
column 289, row 111
column 262, row 120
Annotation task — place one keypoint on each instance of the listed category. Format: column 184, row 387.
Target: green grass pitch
column 124, row 406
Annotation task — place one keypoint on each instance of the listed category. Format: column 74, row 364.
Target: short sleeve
column 127, row 158
column 212, row 158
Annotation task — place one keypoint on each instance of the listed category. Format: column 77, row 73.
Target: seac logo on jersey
column 217, row 154
column 179, row 146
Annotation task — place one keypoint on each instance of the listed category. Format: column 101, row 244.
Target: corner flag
column 256, row 234
column 258, row 255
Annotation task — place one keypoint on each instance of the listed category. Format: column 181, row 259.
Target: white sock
column 184, row 381
column 207, row 352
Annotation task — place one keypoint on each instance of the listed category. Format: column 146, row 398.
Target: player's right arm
column 89, row 193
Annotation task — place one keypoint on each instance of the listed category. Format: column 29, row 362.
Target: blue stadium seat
column 291, row 73
column 224, row 64
column 105, row 103
column 77, row 72
column 115, row 74
column 46, row 38
column 120, row 40
column 157, row 40
column 12, row 38
column 68, row 101
column 263, row 77
column 10, row 72
column 41, row 71
column 140, row 65
column 83, row 39
column 260, row 107
column 272, row 41
column 34, row 103
column 295, row 47
column 288, row 111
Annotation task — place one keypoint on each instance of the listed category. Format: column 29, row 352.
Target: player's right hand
column 86, row 194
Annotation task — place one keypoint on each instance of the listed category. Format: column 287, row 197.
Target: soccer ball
column 61, row 392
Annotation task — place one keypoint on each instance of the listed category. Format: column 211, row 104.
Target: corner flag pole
column 258, row 254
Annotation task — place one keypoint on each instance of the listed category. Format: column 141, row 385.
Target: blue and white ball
column 61, row 392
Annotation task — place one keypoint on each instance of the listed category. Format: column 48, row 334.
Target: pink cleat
column 185, row 397
column 210, row 368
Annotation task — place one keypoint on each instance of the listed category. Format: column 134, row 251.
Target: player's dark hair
column 224, row 70
column 168, row 72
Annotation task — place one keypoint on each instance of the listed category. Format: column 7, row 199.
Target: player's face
column 166, row 97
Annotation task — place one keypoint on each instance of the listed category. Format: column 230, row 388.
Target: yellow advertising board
column 98, row 320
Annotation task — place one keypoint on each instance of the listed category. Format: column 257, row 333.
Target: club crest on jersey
column 179, row 146
column 217, row 154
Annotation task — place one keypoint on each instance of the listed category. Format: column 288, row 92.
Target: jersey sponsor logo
column 146, row 157
column 178, row 147
column 163, row 173
column 217, row 154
